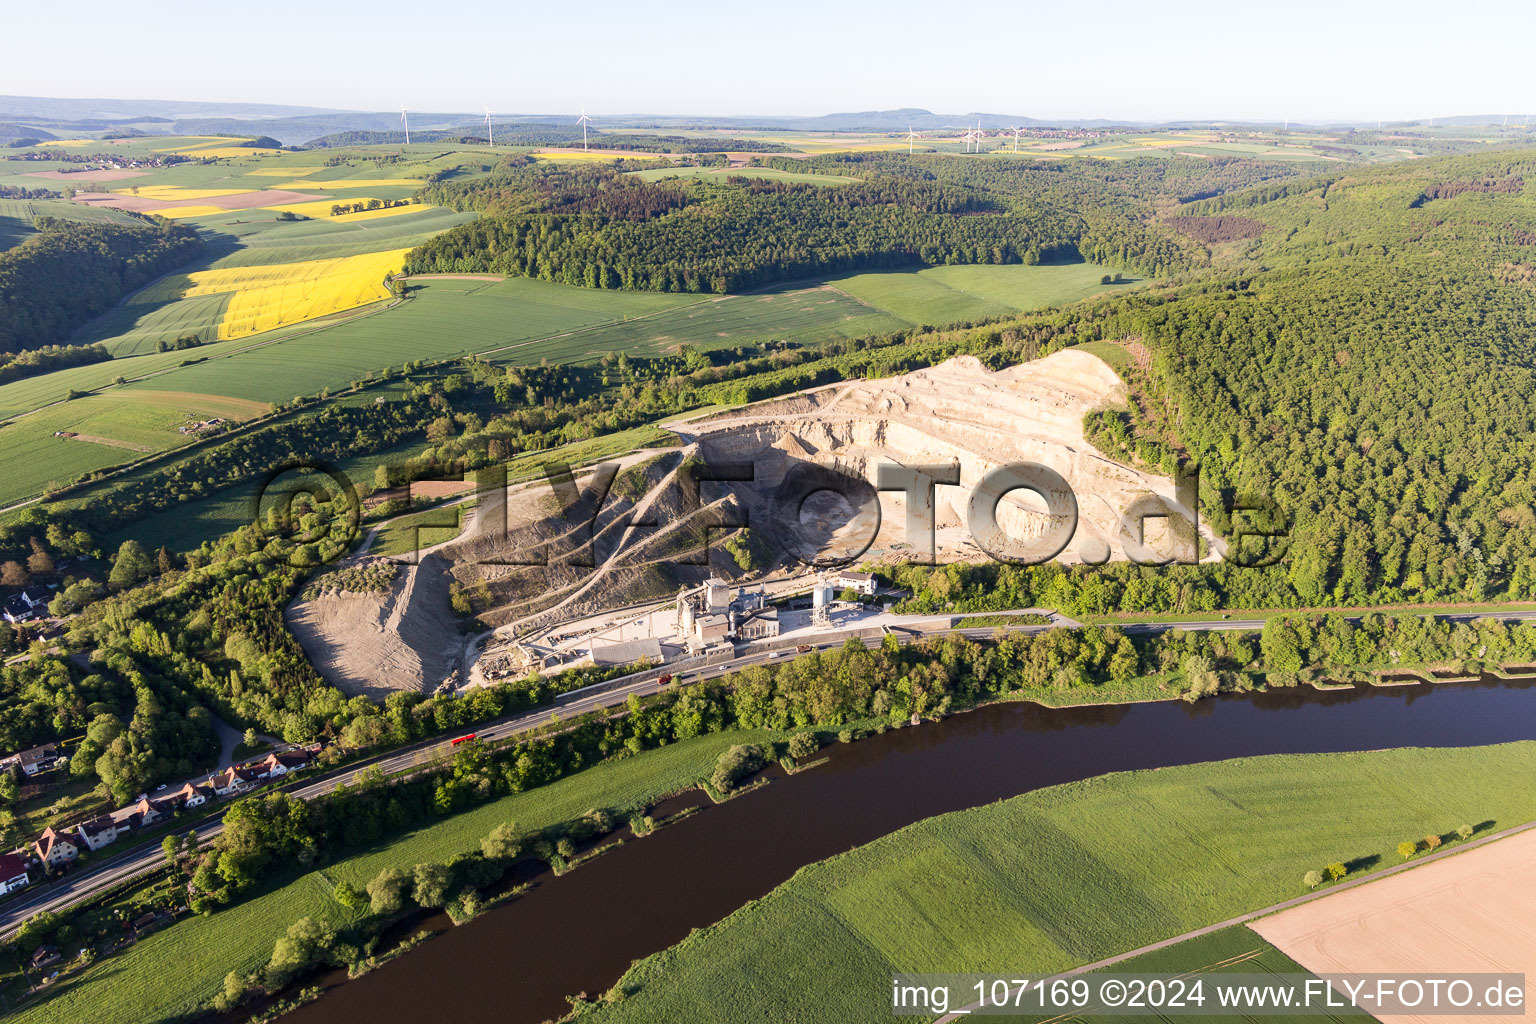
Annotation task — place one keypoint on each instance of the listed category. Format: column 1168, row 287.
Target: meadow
column 515, row 321
column 945, row 295
column 201, row 950
column 1235, row 950
column 113, row 430
column 1066, row 875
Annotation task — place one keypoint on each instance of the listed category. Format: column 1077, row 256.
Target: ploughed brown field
column 1472, row 912
column 241, row 201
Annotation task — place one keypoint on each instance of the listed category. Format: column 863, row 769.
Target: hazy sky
column 1150, row 60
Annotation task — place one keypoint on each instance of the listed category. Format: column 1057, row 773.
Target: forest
column 597, row 228
column 70, row 271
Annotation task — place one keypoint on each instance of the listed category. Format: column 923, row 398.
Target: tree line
column 71, row 271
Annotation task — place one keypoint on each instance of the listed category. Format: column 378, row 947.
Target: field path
column 964, row 1011
column 109, row 442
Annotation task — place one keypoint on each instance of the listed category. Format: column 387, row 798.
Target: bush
column 803, row 744
column 736, row 764
column 503, row 842
column 431, row 881
column 386, row 893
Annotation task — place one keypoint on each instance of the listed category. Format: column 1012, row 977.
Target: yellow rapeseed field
column 188, row 143
column 176, row 193
column 320, row 208
column 391, row 211
column 275, row 295
column 227, row 151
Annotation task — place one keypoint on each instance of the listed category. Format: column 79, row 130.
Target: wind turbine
column 980, row 134
column 582, row 120
column 407, row 122
column 1016, row 131
column 968, row 137
column 910, row 136
column 489, row 131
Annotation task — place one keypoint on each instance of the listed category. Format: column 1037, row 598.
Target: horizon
column 760, row 67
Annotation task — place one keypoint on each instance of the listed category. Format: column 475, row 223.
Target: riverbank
column 200, row 951
column 1064, row 876
column 240, row 937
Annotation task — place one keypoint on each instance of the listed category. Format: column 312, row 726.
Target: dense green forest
column 598, row 228
column 70, row 271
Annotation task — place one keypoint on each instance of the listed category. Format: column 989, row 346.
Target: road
column 147, row 858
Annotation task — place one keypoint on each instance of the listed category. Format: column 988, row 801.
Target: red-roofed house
column 274, row 765
column 236, row 779
column 55, row 849
column 13, row 873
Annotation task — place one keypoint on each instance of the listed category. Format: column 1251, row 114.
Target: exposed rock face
column 955, row 413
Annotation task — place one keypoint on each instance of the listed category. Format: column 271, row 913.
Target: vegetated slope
column 1366, row 361
column 1373, row 373
column 595, row 227
column 1063, row 876
column 71, row 270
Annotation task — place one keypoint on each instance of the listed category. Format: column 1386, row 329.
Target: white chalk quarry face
column 963, row 414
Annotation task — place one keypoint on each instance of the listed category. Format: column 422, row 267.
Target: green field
column 1065, row 876
column 945, row 295
column 515, row 321
column 1235, row 950
column 17, row 215
column 198, row 952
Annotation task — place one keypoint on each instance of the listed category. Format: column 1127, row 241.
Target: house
column 30, row 603
column 190, row 795
column 45, row 956
column 38, row 759
column 13, row 873
column 861, row 583
column 282, row 763
column 54, row 849
column 236, row 779
column 100, row 831
column 139, row 815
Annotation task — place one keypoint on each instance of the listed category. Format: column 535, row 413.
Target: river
column 579, row 933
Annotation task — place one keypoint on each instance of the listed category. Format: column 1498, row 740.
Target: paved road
column 147, row 858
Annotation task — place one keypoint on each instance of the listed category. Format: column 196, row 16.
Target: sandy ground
column 104, row 175
column 243, row 201
column 376, row 644
column 1474, row 912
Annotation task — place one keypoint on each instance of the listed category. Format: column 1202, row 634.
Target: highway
column 147, row 858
